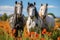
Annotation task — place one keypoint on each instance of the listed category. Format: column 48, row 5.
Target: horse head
column 18, row 7
column 33, row 17
column 43, row 10
column 31, row 9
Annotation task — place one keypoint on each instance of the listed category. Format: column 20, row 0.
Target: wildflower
column 49, row 33
column 44, row 31
column 13, row 31
column 58, row 38
column 37, row 35
column 32, row 32
column 42, row 39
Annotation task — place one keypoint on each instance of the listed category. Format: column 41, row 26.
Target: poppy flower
column 13, row 31
column 37, row 35
column 58, row 38
column 42, row 39
column 49, row 33
column 32, row 32
column 44, row 31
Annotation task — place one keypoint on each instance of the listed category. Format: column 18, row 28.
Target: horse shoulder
column 50, row 16
column 28, row 22
column 50, row 20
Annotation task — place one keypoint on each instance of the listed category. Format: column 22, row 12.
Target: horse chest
column 34, row 22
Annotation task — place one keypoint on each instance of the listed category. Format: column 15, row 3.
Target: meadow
column 6, row 33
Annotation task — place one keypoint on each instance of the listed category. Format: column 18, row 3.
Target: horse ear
column 21, row 2
column 41, row 4
column 15, row 2
column 28, row 3
column 34, row 3
column 46, row 4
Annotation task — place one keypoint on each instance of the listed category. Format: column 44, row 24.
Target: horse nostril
column 43, row 16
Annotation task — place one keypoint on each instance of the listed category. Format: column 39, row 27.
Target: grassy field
column 6, row 33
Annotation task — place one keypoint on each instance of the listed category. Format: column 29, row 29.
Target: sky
column 7, row 6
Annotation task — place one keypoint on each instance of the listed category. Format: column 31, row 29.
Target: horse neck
column 32, row 18
column 36, row 13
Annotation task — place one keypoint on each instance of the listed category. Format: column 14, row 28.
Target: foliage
column 0, row 17
column 4, row 35
column 33, row 35
column 55, row 34
column 4, row 17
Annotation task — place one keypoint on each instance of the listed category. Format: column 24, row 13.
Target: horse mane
column 36, row 13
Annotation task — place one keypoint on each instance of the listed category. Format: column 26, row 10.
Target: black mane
column 31, row 5
column 36, row 13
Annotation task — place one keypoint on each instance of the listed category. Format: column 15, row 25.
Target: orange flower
column 32, row 32
column 37, row 35
column 44, row 31
column 18, row 38
column 29, row 34
column 26, row 34
column 58, row 38
column 42, row 39
column 49, row 33
column 13, row 31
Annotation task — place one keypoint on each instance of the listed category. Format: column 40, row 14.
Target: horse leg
column 16, row 33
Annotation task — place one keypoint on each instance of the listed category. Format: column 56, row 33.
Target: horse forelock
column 30, row 5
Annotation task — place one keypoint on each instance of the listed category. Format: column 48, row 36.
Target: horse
column 48, row 20
column 18, row 20
column 11, row 21
column 33, row 21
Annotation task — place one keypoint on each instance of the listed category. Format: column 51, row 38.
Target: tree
column 0, row 17
column 52, row 15
column 4, row 17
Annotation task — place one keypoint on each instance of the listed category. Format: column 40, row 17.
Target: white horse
column 11, row 21
column 47, row 19
column 33, row 17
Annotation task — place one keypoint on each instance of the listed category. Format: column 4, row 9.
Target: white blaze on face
column 31, row 11
column 18, row 8
column 43, row 9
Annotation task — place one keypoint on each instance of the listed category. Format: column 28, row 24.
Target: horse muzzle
column 43, row 16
